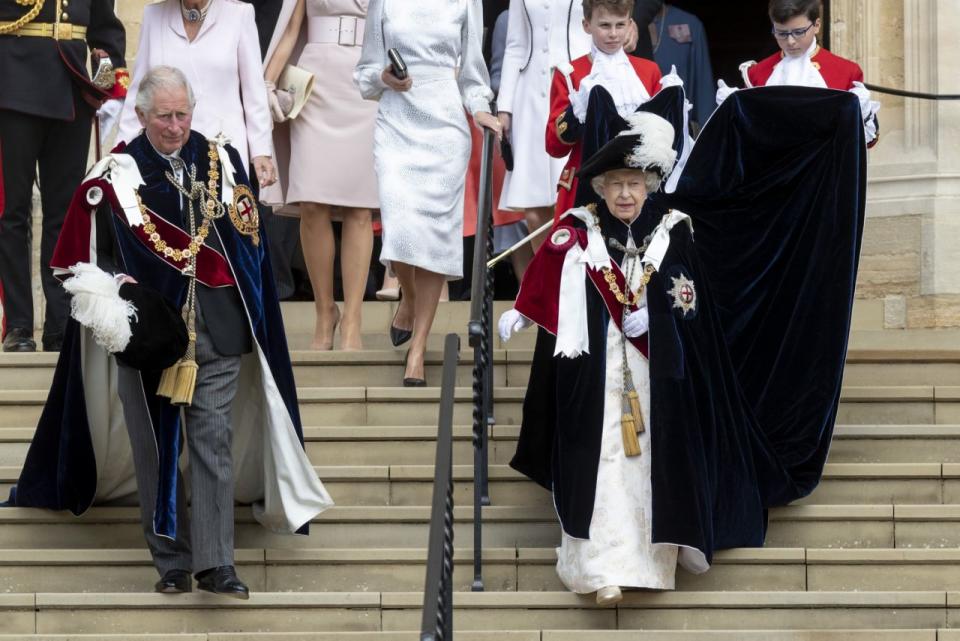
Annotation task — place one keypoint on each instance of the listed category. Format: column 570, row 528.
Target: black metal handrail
column 480, row 332
column 437, row 622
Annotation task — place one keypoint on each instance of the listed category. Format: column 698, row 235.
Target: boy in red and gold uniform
column 802, row 61
column 631, row 82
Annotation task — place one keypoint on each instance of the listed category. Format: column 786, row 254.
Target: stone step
column 119, row 613
column 689, row 610
column 830, row 526
column 524, row 635
column 412, row 485
column 504, row 569
column 364, row 570
column 919, row 404
column 386, row 445
column 382, row 365
column 469, row 635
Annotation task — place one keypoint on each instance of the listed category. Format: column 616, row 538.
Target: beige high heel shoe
column 609, row 595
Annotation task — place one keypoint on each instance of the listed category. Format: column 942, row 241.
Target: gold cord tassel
column 186, row 383
column 168, row 380
column 634, row 400
column 628, row 430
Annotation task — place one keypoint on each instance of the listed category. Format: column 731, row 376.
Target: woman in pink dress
column 214, row 43
column 331, row 172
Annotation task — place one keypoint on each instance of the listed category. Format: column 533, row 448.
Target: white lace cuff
column 369, row 82
column 477, row 99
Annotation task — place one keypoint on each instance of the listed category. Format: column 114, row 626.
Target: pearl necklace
column 194, row 15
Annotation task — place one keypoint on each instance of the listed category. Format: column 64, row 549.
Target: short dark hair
column 617, row 7
column 784, row 10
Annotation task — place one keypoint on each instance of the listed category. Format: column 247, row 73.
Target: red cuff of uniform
column 121, row 82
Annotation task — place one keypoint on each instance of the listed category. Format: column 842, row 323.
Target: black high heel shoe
column 399, row 336
column 412, row 382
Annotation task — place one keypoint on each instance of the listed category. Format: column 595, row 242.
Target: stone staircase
column 872, row 555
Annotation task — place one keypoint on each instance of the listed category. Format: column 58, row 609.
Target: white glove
column 870, row 130
column 579, row 100
column 671, row 79
column 723, row 91
column 512, row 321
column 108, row 115
column 636, row 323
column 868, row 108
column 280, row 101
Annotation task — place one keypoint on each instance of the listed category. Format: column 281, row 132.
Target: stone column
column 910, row 258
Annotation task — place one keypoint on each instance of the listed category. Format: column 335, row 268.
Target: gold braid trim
column 17, row 24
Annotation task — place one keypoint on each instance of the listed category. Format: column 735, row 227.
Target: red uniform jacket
column 838, row 73
column 563, row 129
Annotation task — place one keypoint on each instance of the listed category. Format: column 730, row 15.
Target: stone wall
column 911, row 258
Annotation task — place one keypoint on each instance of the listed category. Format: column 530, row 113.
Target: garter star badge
column 244, row 214
column 684, row 294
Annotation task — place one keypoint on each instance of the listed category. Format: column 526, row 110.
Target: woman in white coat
column 215, row 44
column 541, row 35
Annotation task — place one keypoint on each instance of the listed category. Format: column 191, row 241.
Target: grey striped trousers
column 205, row 539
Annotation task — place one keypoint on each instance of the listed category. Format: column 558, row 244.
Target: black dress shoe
column 52, row 343
column 223, row 580
column 174, row 582
column 414, row 382
column 19, row 339
column 399, row 336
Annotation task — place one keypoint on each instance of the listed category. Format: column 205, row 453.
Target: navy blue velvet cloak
column 60, row 471
column 744, row 391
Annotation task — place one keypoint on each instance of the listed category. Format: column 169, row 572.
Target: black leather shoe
column 19, row 339
column 414, row 382
column 174, row 582
column 52, row 343
column 222, row 580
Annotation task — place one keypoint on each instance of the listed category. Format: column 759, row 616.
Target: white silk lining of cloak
column 573, row 337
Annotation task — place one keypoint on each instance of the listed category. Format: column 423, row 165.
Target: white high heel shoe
column 609, row 595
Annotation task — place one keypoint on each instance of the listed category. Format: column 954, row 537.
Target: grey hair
column 651, row 179
column 162, row 77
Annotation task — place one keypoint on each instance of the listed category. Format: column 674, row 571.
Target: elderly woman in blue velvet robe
column 731, row 320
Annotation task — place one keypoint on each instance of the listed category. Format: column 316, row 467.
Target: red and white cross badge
column 684, row 294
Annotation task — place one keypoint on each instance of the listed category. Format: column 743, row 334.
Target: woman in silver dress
column 421, row 147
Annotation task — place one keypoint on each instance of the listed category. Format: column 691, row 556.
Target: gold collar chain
column 213, row 209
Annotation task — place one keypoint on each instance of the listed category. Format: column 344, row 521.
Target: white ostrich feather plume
column 655, row 150
column 96, row 304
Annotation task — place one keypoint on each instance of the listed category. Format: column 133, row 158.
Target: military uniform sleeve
column 106, row 32
column 563, row 128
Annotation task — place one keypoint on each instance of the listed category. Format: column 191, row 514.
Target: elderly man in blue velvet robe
column 175, row 213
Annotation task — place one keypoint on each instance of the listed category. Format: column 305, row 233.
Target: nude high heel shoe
column 609, row 595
